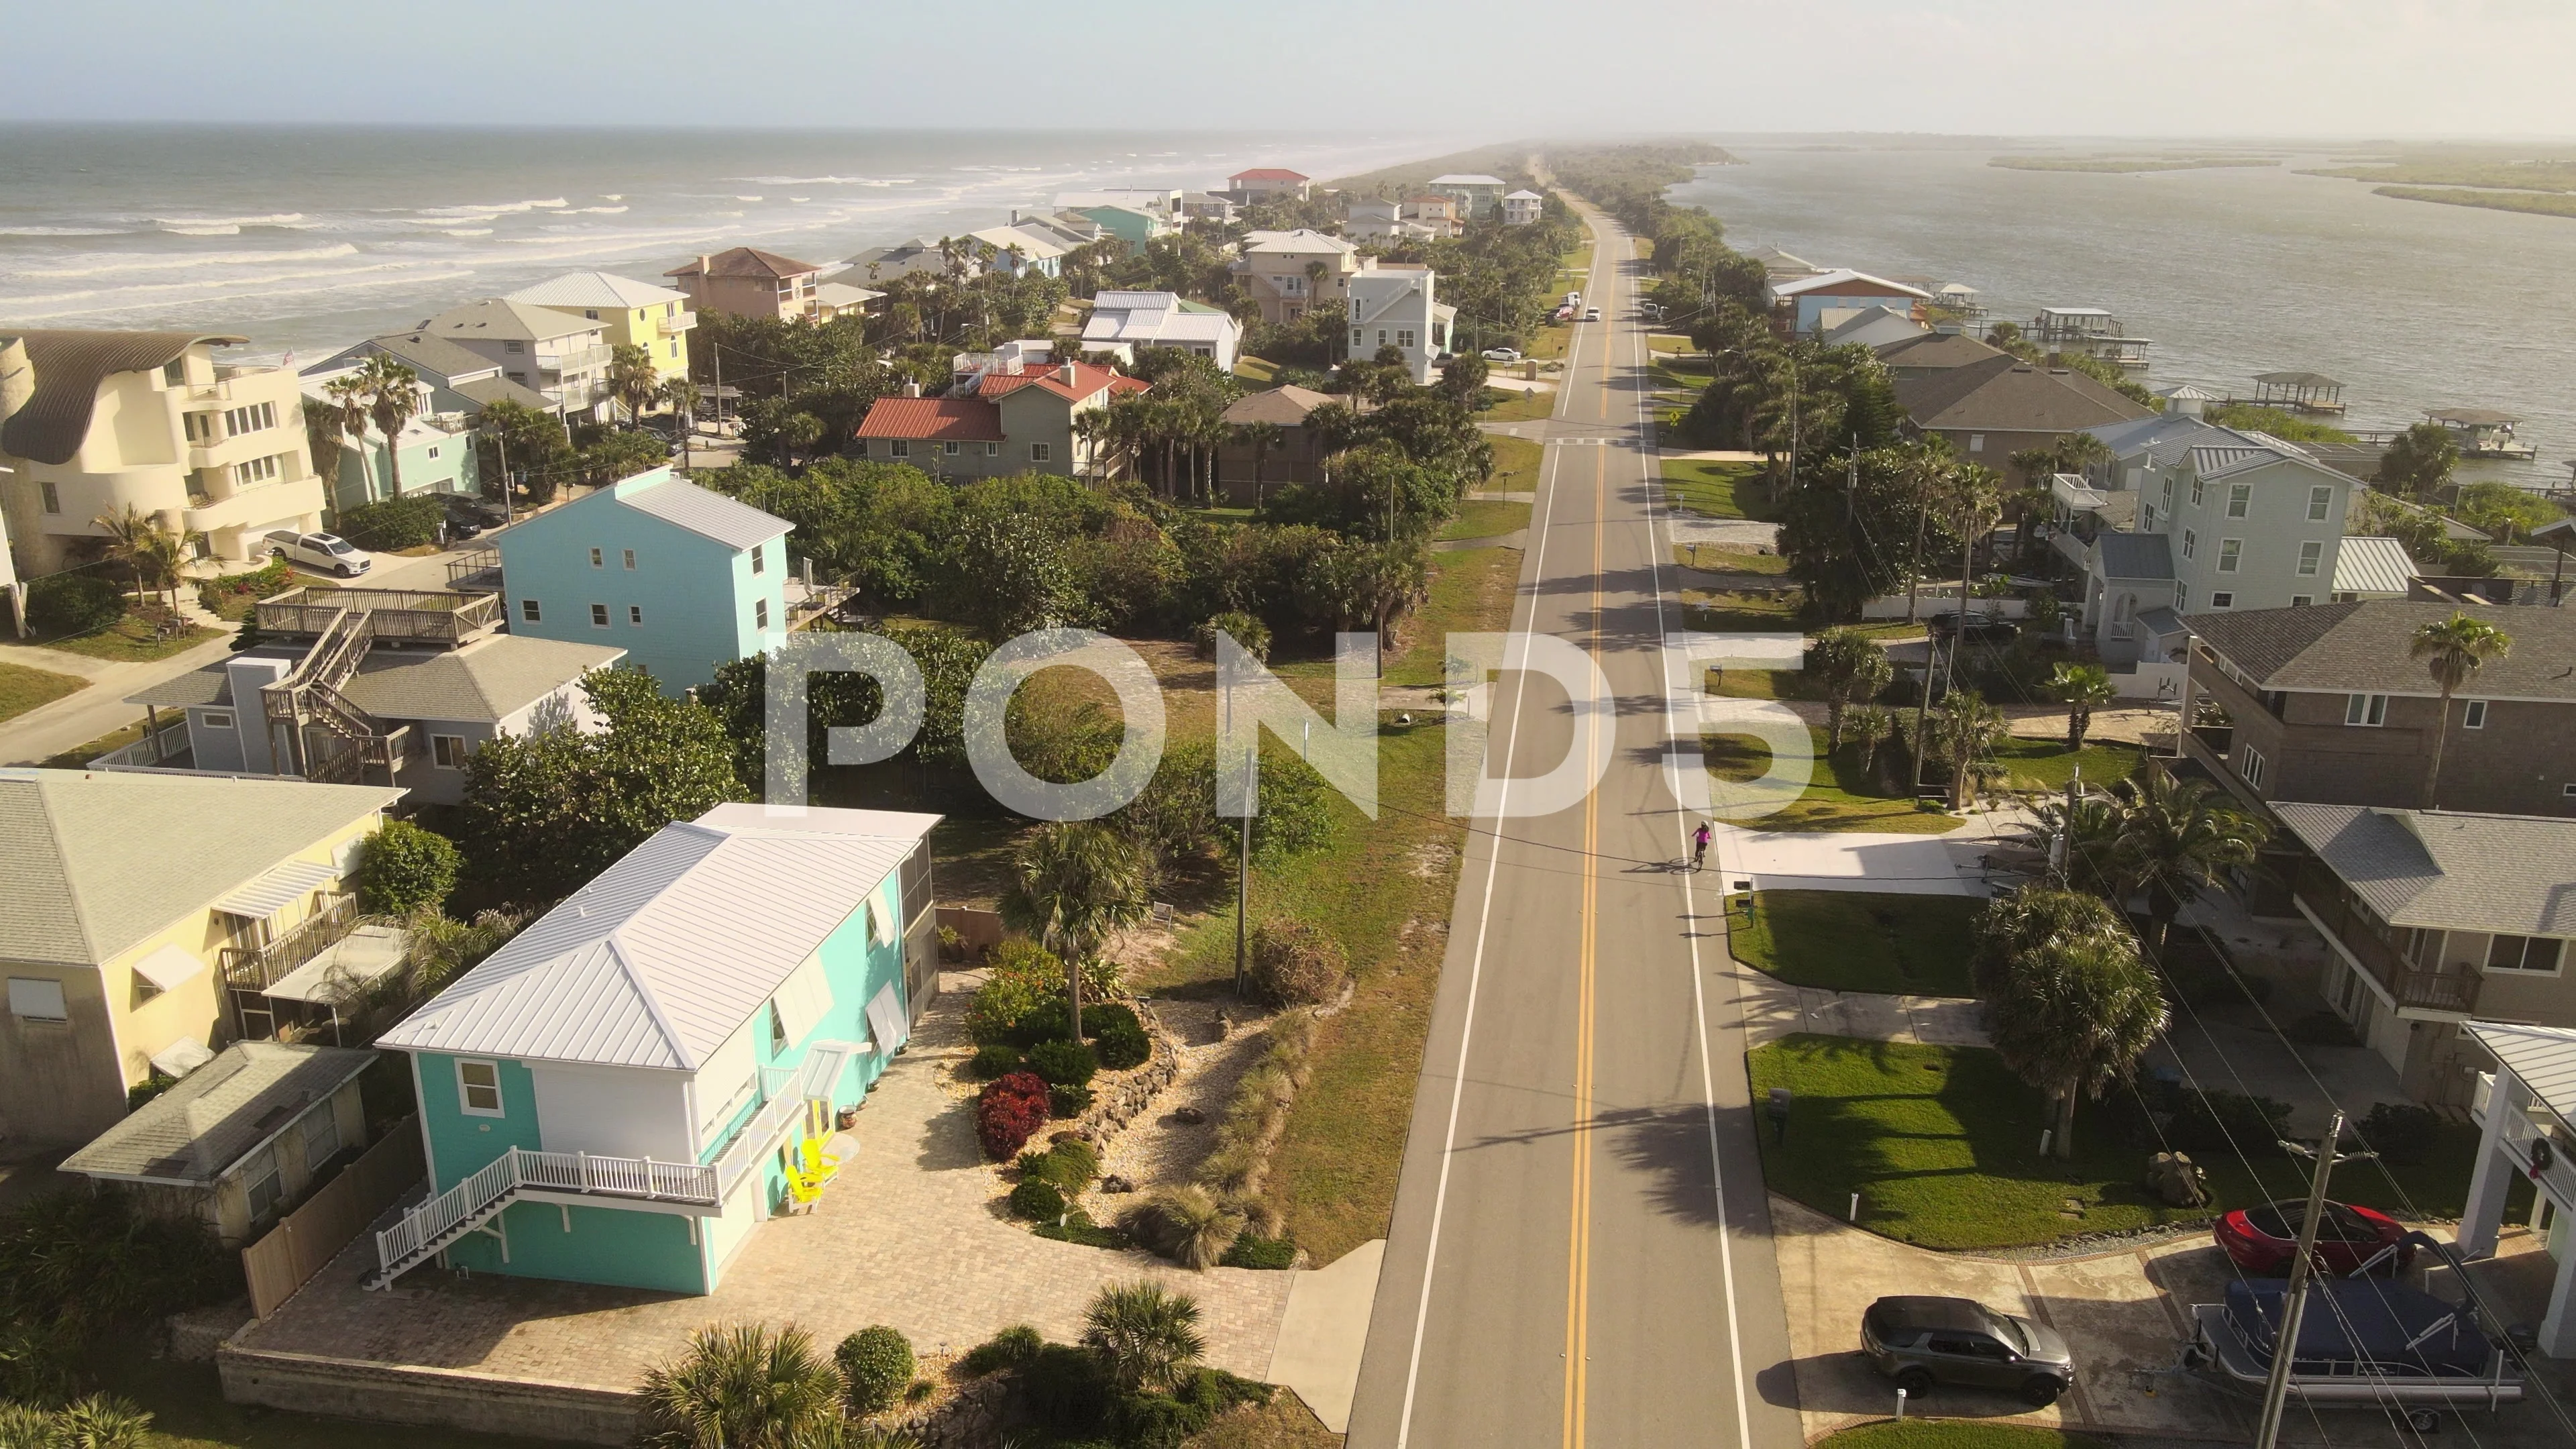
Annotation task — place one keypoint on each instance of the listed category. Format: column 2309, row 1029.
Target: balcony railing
column 257, row 968
column 674, row 326
column 2322, row 899
column 401, row 615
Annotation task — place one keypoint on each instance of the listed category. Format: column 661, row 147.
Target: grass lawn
column 1520, row 407
column 1516, row 465
column 1665, row 342
column 2046, row 764
column 1255, row 370
column 1715, row 490
column 1719, row 609
column 1470, row 590
column 1942, row 1143
column 1549, row 341
column 1730, row 560
column 189, row 1412
column 1740, row 683
column 130, row 639
column 23, row 688
column 1853, row 941
column 1957, row 1434
column 1837, row 797
column 1486, row 518
column 1672, row 372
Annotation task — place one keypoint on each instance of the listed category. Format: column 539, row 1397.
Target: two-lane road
column 1580, row 1252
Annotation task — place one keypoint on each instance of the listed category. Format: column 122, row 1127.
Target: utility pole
column 1851, row 480
column 2285, row 1342
column 509, row 513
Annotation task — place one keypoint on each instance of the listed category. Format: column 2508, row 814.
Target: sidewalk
column 76, row 719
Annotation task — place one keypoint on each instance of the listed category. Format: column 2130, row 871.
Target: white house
column 1397, row 305
column 1805, row 297
column 1520, row 208
column 1478, row 196
column 1121, row 322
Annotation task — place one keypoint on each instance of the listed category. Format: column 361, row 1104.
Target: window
column 200, row 427
column 777, row 1030
column 630, row 560
column 2365, row 709
column 2320, row 502
column 595, row 559
column 37, row 1000
column 2190, row 544
column 519, row 377
column 2301, row 601
column 1381, row 337
column 590, row 314
column 2222, row 599
column 2473, row 715
column 1976, row 442
column 1355, row 337
column 53, row 498
column 2231, row 551
column 760, row 613
column 635, row 615
column 2240, row 499
column 321, row 1136
column 899, row 448
column 1404, row 338
column 433, row 450
column 2169, row 485
column 2525, row 953
column 2197, row 489
column 528, row 610
column 2252, row 768
column 1041, row 452
column 257, row 470
column 253, row 418
column 2312, row 554
column 447, row 752
column 259, row 1176
column 2182, row 598
column 514, row 348
column 948, row 450
column 992, row 450
column 478, row 1088
column 599, row 616
column 217, row 719
column 174, row 373
column 759, row 562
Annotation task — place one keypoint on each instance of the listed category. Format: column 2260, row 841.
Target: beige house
column 1013, row 421
column 237, row 1142
column 132, row 900
column 92, row 422
column 749, row 282
column 1287, row 272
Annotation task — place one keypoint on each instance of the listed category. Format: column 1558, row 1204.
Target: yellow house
column 632, row 313
column 132, row 898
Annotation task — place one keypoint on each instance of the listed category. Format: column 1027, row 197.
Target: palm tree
column 1869, row 725
column 1075, row 883
column 2454, row 650
column 742, row 1386
column 2070, row 1014
column 1966, row 730
column 2089, row 827
column 153, row 555
column 1393, row 574
column 633, row 382
column 2175, row 839
column 1260, row 438
column 2080, row 687
column 2081, row 453
column 1147, row 1335
column 393, row 399
column 351, row 395
column 1853, row 668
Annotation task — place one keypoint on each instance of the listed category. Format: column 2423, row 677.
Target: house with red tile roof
column 1268, row 183
column 749, row 282
column 1012, row 419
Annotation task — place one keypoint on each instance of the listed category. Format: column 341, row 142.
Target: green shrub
column 73, row 604
column 1187, row 1225
column 87, row 1263
column 1021, row 977
column 1008, row 1349
column 403, row 867
column 1065, row 1388
column 1066, row 1102
column 1121, row 1045
column 232, row 596
column 1070, row 1165
column 1257, row 1252
column 1078, row 1227
column 2401, row 1132
column 1037, row 1200
column 993, row 1059
column 1247, row 630
column 1296, row 963
column 1064, row 1063
column 394, row 523
column 877, row 1362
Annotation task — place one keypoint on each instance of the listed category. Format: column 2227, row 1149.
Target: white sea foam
column 103, row 265
column 824, row 180
column 612, row 196
column 61, row 231
column 595, row 211
column 746, row 198
column 490, row 209
column 228, row 225
column 467, row 231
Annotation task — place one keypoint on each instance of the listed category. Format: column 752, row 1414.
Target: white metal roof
column 1843, row 277
column 276, row 890
column 594, row 289
column 2372, row 565
column 1477, row 180
column 728, row 521
column 664, row 956
column 2544, row 1057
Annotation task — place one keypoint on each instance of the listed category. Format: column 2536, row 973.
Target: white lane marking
column 1484, row 916
column 1699, row 996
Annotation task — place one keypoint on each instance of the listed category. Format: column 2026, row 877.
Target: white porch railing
column 430, row 1227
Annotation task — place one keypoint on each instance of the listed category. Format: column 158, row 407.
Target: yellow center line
column 1578, row 1296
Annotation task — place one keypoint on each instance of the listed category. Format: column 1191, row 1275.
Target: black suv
column 1920, row 1342
column 468, row 516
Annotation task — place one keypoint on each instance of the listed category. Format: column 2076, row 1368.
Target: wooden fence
column 981, row 930
column 314, row 1234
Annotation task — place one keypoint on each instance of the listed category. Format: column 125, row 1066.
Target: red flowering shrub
column 1009, row 1112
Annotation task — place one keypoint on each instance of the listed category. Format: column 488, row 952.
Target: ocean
column 305, row 239
column 2232, row 272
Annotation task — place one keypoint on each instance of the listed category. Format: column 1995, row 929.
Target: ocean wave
column 228, row 225
column 61, row 231
column 490, row 210
column 612, row 196
column 373, row 274
column 467, row 231
column 595, row 211
column 106, row 301
column 800, row 199
column 824, row 180
column 108, row 266
column 746, row 198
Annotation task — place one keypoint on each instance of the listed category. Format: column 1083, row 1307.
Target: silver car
column 1920, row 1342
column 324, row 552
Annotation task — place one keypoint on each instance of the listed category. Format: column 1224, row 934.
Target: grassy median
column 1905, row 945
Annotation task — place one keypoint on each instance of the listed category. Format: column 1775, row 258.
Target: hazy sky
column 1512, row 67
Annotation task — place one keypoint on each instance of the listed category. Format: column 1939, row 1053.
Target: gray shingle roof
column 220, row 1113
column 2514, row 874
column 486, row 391
column 1286, row 405
column 2004, row 394
column 85, row 884
column 69, row 364
column 488, row 680
column 2362, row 648
column 435, row 358
column 2135, row 555
column 1938, row 349
column 728, row 521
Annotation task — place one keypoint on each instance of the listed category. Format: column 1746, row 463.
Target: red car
column 2261, row 1240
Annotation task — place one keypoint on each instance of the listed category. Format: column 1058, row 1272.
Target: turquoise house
column 633, row 1084
column 682, row 578
column 1127, row 223
column 434, row 460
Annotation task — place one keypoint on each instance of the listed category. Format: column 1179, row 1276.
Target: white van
column 326, row 552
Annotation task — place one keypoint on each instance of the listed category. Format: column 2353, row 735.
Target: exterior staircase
column 310, row 696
